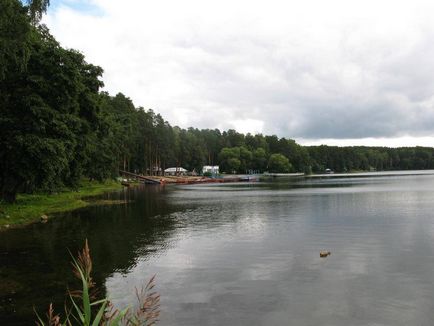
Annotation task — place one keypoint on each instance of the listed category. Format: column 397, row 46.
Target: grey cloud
column 304, row 102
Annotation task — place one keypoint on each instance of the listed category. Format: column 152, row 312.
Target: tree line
column 57, row 126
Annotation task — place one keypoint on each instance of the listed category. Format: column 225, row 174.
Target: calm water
column 243, row 254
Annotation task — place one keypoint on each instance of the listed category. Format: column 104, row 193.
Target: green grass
column 29, row 208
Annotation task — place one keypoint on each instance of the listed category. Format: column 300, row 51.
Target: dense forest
column 57, row 126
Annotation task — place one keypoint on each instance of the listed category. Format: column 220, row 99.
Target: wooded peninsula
column 57, row 126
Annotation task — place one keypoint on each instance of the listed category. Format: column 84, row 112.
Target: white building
column 213, row 169
column 175, row 171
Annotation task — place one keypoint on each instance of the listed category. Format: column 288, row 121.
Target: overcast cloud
column 319, row 71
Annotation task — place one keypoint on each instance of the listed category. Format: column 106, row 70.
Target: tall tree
column 47, row 112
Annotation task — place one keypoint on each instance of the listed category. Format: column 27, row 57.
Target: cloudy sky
column 335, row 72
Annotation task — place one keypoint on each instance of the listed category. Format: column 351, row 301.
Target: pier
column 145, row 179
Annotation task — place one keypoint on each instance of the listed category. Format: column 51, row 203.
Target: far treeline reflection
column 58, row 126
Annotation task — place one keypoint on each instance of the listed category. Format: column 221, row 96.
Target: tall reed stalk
column 86, row 310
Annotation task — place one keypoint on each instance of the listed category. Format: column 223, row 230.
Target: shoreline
column 29, row 208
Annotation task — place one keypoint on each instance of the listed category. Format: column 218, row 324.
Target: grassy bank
column 29, row 208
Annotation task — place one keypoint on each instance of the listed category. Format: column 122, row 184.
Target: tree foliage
column 279, row 163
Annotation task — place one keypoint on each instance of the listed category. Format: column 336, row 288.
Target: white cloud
column 248, row 126
column 313, row 69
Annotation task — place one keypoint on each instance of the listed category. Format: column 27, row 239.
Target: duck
column 324, row 253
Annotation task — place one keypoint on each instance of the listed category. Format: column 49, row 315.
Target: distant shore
column 372, row 174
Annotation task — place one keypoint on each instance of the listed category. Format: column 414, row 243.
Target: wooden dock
column 143, row 178
column 186, row 179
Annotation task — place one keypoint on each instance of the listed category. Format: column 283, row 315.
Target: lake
column 244, row 253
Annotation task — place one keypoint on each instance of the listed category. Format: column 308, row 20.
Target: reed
column 86, row 309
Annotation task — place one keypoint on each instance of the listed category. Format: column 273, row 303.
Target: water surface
column 244, row 254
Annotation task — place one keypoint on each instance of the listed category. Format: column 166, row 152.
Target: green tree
column 245, row 160
column 15, row 32
column 37, row 8
column 279, row 164
column 47, row 110
column 233, row 165
column 259, row 159
column 229, row 158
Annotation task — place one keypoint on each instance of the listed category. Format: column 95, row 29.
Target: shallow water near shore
column 243, row 254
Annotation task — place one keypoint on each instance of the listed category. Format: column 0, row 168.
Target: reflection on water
column 35, row 264
column 245, row 254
